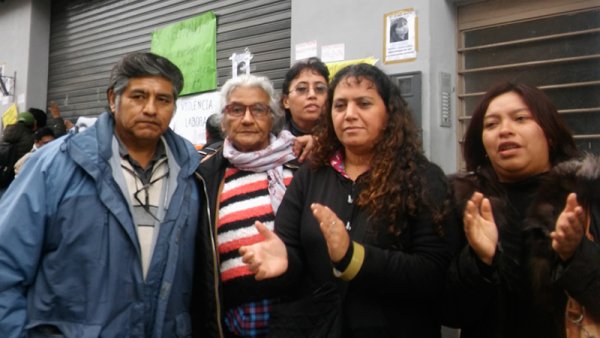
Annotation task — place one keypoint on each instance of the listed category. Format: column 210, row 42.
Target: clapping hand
column 268, row 258
column 569, row 230
column 480, row 228
column 334, row 231
column 54, row 109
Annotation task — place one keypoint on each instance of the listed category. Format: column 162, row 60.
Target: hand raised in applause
column 266, row 259
column 569, row 230
column 54, row 109
column 334, row 231
column 480, row 227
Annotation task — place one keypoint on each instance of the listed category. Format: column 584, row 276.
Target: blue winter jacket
column 69, row 256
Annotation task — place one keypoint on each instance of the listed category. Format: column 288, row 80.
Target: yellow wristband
column 356, row 262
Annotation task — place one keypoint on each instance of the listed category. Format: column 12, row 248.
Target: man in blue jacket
column 97, row 232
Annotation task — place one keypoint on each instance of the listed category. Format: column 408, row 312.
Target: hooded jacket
column 70, row 262
column 21, row 136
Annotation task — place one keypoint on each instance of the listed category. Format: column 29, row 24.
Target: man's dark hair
column 140, row 65
column 43, row 132
column 213, row 129
column 39, row 115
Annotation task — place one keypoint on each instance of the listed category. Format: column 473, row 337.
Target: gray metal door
column 88, row 37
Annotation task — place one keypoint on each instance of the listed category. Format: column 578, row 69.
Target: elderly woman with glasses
column 244, row 181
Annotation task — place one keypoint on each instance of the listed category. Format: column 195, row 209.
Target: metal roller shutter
column 88, row 37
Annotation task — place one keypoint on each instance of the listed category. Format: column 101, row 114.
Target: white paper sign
column 304, row 50
column 330, row 53
column 190, row 118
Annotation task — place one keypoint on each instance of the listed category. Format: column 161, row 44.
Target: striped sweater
column 243, row 200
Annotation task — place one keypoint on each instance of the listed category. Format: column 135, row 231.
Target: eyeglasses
column 145, row 187
column 239, row 110
column 319, row 89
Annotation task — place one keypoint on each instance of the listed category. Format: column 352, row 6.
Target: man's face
column 144, row 110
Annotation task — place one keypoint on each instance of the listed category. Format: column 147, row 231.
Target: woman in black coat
column 365, row 237
column 494, row 287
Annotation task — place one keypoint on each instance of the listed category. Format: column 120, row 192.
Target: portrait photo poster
column 400, row 41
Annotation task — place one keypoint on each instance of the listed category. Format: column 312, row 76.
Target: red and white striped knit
column 243, row 200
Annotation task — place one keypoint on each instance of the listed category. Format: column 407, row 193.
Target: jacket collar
column 92, row 148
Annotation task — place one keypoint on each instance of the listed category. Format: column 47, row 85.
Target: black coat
column 394, row 294
column 522, row 293
column 493, row 301
column 207, row 312
column 21, row 136
column 580, row 276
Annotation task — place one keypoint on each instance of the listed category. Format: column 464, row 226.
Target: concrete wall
column 39, row 44
column 359, row 24
column 24, row 37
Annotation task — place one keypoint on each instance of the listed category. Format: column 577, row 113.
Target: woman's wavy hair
column 393, row 188
column 561, row 144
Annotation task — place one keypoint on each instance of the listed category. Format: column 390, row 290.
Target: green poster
column 191, row 45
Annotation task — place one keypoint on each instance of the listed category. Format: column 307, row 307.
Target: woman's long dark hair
column 393, row 187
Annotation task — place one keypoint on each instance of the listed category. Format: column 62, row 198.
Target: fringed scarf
column 270, row 159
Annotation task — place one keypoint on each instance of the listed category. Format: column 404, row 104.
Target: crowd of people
column 313, row 213
column 33, row 129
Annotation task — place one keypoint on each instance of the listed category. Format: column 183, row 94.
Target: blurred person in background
column 41, row 137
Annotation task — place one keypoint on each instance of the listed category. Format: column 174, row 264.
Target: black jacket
column 401, row 279
column 580, row 276
column 522, row 293
column 21, row 136
column 206, row 305
column 493, row 301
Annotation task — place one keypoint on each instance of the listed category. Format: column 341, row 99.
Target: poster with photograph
column 240, row 63
column 400, row 37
